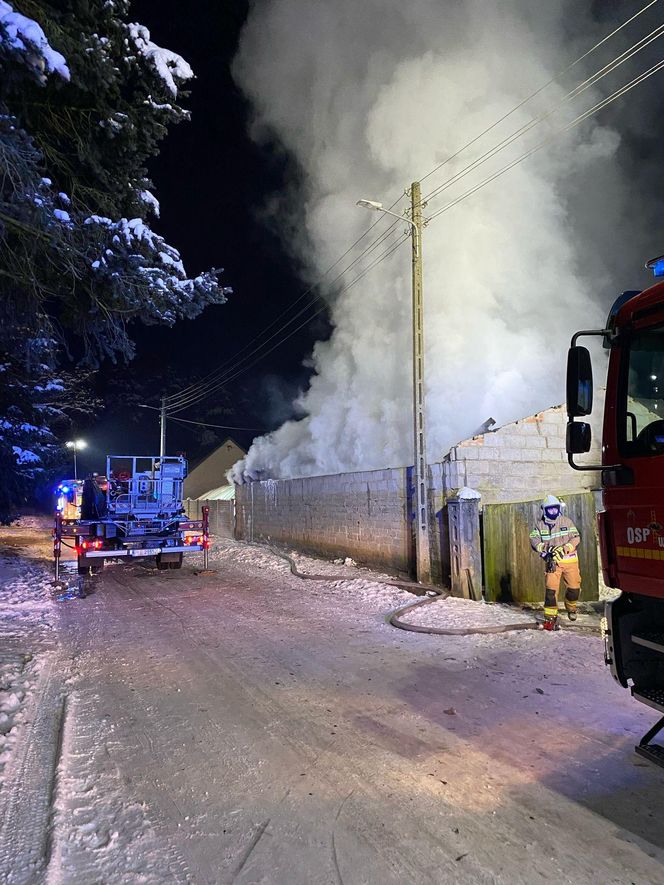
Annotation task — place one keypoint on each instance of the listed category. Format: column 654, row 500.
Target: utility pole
column 162, row 428
column 422, row 548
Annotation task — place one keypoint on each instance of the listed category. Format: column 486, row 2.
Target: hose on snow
column 435, row 594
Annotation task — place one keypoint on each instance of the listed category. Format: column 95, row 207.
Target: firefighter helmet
column 551, row 508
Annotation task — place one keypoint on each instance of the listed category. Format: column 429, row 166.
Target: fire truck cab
column 631, row 524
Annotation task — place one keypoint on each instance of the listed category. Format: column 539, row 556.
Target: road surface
column 249, row 727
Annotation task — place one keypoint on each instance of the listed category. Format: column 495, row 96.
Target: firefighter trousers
column 569, row 571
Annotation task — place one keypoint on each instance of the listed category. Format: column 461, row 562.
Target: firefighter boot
column 571, row 598
column 550, row 621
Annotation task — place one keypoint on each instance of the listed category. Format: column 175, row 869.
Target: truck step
column 653, row 697
column 652, row 639
column 651, row 752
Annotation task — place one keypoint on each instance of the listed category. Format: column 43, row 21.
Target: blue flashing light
column 656, row 265
column 64, row 489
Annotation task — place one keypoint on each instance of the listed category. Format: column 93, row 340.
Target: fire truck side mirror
column 578, row 438
column 579, row 384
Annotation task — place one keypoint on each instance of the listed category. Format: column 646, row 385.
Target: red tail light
column 91, row 544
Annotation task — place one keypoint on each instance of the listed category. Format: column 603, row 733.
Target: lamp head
column 370, row 204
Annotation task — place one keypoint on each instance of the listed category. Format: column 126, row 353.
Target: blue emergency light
column 656, row 265
column 64, row 489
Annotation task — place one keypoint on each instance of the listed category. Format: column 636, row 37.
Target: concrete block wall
column 365, row 515
column 222, row 515
column 362, row 515
column 522, row 460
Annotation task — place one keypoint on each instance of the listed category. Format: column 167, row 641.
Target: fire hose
column 435, row 594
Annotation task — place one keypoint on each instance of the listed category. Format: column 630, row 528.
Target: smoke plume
column 370, row 96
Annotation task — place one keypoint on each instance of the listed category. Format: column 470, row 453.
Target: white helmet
column 553, row 504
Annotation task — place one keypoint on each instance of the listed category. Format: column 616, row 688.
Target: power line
column 382, row 257
column 176, row 404
column 367, row 250
column 539, row 90
column 219, row 426
column 222, row 375
column 580, row 119
column 574, row 93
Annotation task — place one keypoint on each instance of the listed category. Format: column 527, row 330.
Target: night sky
column 211, row 181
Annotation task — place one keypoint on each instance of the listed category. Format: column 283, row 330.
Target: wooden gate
column 512, row 571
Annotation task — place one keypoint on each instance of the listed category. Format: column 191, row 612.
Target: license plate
column 147, row 551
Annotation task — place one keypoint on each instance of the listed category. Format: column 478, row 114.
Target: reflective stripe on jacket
column 562, row 533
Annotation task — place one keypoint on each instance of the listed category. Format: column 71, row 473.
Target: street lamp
column 76, row 445
column 378, row 207
column 422, row 548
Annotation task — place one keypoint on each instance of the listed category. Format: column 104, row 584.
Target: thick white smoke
column 370, row 96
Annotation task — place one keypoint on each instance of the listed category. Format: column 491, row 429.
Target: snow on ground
column 368, row 587
column 243, row 725
column 26, row 614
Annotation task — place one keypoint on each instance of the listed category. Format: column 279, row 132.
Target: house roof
column 223, row 493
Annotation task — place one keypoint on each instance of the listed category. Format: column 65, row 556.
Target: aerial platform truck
column 134, row 511
column 631, row 524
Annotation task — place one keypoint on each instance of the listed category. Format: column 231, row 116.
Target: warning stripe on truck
column 640, row 552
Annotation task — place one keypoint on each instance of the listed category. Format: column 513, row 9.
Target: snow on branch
column 147, row 272
column 24, row 37
column 170, row 66
column 151, row 203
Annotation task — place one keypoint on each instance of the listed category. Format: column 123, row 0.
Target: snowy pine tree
column 85, row 99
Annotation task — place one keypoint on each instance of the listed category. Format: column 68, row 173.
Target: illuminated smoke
column 368, row 96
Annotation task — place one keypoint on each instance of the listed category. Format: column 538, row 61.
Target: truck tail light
column 90, row 544
column 197, row 541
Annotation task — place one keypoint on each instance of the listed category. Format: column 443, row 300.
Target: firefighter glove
column 558, row 553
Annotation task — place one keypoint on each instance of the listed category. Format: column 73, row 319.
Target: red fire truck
column 631, row 525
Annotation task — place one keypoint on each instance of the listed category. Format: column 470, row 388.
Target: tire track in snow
column 30, row 784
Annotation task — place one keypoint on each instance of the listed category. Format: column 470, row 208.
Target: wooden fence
column 512, row 571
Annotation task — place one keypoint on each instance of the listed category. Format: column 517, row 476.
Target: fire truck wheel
column 162, row 566
column 177, row 563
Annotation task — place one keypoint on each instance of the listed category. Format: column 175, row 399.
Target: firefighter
column 555, row 538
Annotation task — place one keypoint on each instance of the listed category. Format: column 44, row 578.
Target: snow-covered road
column 251, row 727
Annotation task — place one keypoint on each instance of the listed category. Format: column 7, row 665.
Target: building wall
column 520, row 461
column 211, row 472
column 362, row 515
column 365, row 514
column 221, row 515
